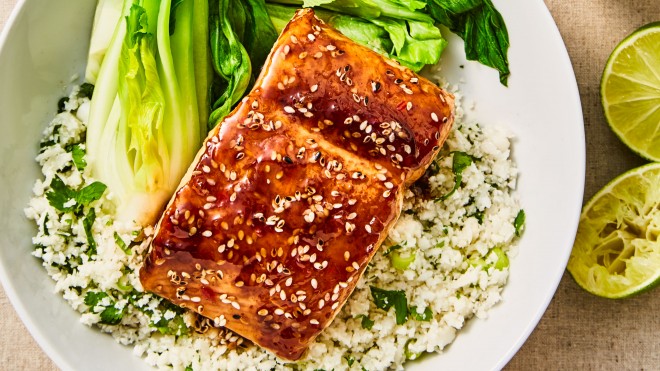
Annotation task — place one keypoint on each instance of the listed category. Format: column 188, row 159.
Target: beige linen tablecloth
column 578, row 331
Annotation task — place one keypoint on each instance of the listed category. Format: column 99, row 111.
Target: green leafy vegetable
column 122, row 245
column 350, row 360
column 460, row 162
column 92, row 298
column 425, row 317
column 242, row 34
column 519, row 222
column 88, row 223
column 400, row 32
column 385, row 299
column 475, row 21
column 66, row 199
column 482, row 28
column 110, row 315
column 61, row 105
column 366, row 322
column 86, row 90
column 78, row 154
column 144, row 127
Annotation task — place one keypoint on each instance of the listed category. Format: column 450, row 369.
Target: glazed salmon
column 294, row 192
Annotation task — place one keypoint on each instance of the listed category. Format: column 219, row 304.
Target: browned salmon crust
column 293, row 193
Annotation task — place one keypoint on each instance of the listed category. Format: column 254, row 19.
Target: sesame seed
column 302, row 55
column 334, row 306
column 311, row 37
column 289, row 109
column 314, row 283
column 318, row 55
column 262, row 312
column 367, row 228
column 314, row 321
column 207, row 233
column 409, row 106
column 279, row 311
column 314, row 88
column 282, row 295
column 206, row 169
column 388, row 185
column 321, row 303
column 434, row 117
column 294, row 39
column 235, row 305
column 195, row 299
column 288, row 281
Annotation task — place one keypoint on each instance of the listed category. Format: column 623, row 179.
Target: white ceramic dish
column 45, row 43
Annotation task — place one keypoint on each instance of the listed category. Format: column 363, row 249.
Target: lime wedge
column 616, row 251
column 630, row 91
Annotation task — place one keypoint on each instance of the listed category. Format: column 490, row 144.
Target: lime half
column 617, row 252
column 630, row 91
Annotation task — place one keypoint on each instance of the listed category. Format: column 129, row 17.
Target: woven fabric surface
column 578, row 331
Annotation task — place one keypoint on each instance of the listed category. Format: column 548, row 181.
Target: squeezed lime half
column 616, row 253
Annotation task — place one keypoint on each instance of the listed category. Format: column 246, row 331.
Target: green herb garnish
column 78, row 154
column 385, row 299
column 460, row 162
column 425, row 317
column 88, row 223
column 367, row 323
column 60, row 195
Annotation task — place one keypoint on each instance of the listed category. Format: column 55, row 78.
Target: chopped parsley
column 60, row 195
column 519, row 222
column 61, row 104
column 367, row 323
column 78, row 154
column 385, row 299
column 86, row 90
column 350, row 360
column 425, row 317
column 88, row 223
column 460, row 162
column 110, row 315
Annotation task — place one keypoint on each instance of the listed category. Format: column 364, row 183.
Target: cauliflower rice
column 450, row 257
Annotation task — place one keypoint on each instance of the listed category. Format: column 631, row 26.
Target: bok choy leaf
column 241, row 38
column 144, row 127
column 411, row 42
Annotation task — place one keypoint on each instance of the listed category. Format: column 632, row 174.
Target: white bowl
column 45, row 43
